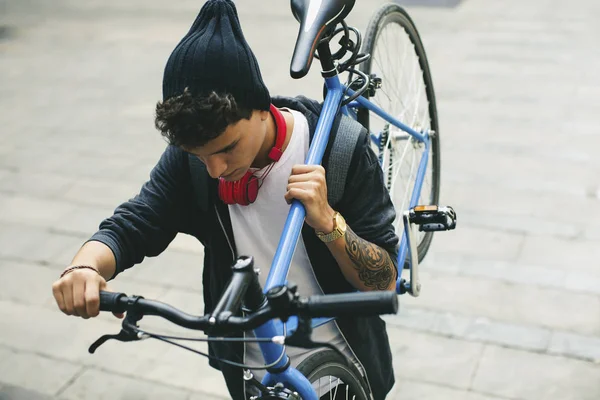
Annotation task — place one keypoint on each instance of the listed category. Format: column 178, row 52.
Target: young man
column 222, row 127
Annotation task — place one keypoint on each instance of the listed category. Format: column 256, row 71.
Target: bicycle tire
column 394, row 14
column 327, row 363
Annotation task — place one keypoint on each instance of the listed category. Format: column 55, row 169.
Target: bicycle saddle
column 315, row 16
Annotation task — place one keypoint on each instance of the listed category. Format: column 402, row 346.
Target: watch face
column 340, row 223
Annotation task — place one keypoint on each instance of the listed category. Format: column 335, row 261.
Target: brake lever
column 128, row 332
column 302, row 338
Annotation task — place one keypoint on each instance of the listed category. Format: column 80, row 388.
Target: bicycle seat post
column 329, row 69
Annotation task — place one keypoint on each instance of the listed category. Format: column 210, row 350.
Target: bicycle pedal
column 433, row 218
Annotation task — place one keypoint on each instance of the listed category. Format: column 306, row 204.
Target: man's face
column 229, row 155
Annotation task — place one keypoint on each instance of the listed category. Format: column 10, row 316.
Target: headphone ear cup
column 242, row 191
column 252, row 189
column 238, row 194
column 225, row 191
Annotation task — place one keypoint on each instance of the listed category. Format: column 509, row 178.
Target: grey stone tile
column 34, row 372
column 506, row 334
column 38, row 280
column 520, row 224
column 197, row 375
column 29, row 243
column 85, row 220
column 18, row 208
column 518, row 374
column 203, row 396
column 99, row 192
column 550, row 276
column 517, row 303
column 480, row 242
column 41, row 185
column 425, row 391
column 578, row 254
column 171, row 268
column 99, row 385
column 9, row 392
column 432, row 358
column 585, row 347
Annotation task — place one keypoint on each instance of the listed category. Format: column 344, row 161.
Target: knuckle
column 56, row 287
column 79, row 304
column 93, row 303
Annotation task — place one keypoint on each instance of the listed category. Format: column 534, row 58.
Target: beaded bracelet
column 73, row 268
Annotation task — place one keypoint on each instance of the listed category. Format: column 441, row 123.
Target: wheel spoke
column 396, row 59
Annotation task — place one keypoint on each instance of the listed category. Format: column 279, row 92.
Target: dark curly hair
column 189, row 121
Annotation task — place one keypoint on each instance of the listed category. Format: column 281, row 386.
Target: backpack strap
column 340, row 157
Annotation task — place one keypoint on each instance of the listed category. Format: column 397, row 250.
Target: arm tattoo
column 373, row 264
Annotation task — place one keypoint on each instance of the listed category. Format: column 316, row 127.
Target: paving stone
column 34, row 184
column 433, row 359
column 568, row 279
column 171, row 268
column 99, row 192
column 585, row 347
column 34, row 372
column 475, row 328
column 85, row 220
column 100, row 385
column 426, row 391
column 576, row 254
column 32, row 211
column 9, row 392
column 520, row 304
column 27, row 243
column 525, row 337
column 480, row 242
column 197, row 375
column 38, row 289
column 535, row 376
column 203, row 396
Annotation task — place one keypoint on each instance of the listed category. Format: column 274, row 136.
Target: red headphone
column 245, row 190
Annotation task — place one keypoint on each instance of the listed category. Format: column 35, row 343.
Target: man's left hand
column 307, row 184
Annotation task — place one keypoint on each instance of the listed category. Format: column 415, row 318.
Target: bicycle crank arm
column 413, row 286
column 428, row 219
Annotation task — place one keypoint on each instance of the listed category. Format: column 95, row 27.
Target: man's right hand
column 78, row 293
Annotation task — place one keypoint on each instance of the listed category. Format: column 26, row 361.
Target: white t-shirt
column 257, row 229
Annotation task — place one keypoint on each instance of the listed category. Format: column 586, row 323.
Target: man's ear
column 264, row 115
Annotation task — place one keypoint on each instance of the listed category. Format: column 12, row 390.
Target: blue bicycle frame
column 293, row 225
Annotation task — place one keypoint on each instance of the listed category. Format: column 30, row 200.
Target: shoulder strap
column 346, row 137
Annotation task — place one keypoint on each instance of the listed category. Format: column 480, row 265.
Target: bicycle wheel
column 398, row 58
column 332, row 378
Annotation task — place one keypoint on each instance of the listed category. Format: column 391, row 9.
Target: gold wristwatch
column 339, row 229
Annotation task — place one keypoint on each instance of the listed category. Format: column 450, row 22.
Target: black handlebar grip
column 111, row 301
column 353, row 304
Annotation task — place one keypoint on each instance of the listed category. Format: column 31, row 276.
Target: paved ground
column 511, row 300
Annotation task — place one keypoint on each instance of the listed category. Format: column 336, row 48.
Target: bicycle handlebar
column 333, row 305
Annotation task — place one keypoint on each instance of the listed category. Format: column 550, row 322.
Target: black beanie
column 214, row 56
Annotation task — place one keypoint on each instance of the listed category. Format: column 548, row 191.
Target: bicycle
column 413, row 142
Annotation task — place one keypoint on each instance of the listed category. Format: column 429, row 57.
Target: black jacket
column 178, row 198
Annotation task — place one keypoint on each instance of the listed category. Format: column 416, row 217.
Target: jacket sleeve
column 366, row 204
column 145, row 225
